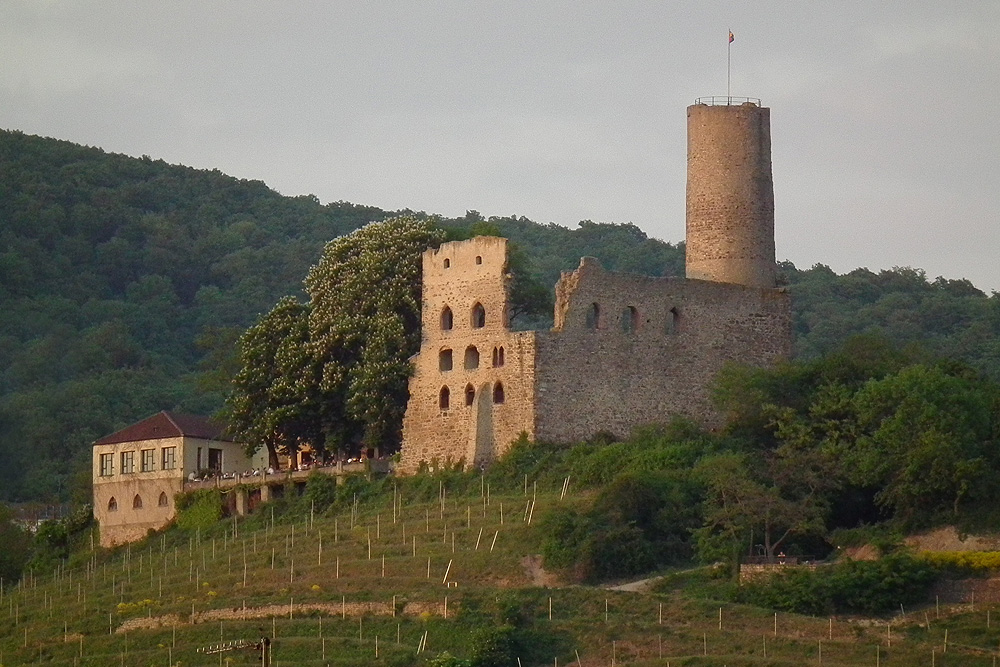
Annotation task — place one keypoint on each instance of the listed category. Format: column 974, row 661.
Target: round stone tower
column 730, row 196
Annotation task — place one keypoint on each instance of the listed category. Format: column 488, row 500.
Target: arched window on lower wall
column 137, row 502
column 444, row 360
column 498, row 392
column 112, row 505
column 478, row 316
column 470, row 394
column 630, row 319
column 471, row 358
column 164, row 501
column 673, row 321
column 444, row 398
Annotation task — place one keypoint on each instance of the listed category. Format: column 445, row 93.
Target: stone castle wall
column 629, row 350
column 626, row 350
column 491, row 374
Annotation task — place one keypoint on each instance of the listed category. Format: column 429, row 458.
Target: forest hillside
column 125, row 283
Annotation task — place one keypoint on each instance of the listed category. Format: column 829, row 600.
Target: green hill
column 125, row 281
column 432, row 562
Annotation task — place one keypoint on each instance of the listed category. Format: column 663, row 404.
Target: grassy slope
column 77, row 617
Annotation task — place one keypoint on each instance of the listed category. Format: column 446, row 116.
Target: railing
column 278, row 476
column 726, row 101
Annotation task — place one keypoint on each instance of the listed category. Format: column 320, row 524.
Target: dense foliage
column 15, row 546
column 852, row 587
column 126, row 283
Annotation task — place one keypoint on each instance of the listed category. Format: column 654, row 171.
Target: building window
column 498, row 392
column 169, row 458
column 446, row 319
column 673, row 321
column 444, row 398
column 447, row 263
column 471, row 358
column 214, row 459
column 112, row 505
column 478, row 316
column 470, row 394
column 630, row 320
column 163, row 502
column 479, row 259
column 593, row 320
column 198, row 464
column 137, row 502
column 107, row 465
column 148, row 461
column 444, row 360
column 128, row 463
column 498, row 357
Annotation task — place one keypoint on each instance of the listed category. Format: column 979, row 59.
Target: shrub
column 199, row 510
column 963, row 562
column 494, row 647
column 867, row 587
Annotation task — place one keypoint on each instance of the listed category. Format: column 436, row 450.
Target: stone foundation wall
column 127, row 523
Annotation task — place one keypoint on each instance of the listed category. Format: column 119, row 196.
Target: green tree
column 364, row 325
column 15, row 546
column 927, row 440
column 275, row 401
column 771, row 497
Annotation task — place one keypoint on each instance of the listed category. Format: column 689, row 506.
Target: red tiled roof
column 168, row 425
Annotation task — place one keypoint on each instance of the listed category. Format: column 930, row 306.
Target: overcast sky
column 885, row 115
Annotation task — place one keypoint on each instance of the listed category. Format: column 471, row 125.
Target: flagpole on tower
column 729, row 67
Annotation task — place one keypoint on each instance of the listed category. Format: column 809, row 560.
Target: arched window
column 447, row 263
column 471, row 358
column 137, row 502
column 446, row 318
column 478, row 316
column 444, row 360
column 163, row 502
column 593, row 320
column 498, row 392
column 630, row 320
column 470, row 394
column 673, row 321
column 479, row 259
column 444, row 398
column 112, row 505
column 498, row 356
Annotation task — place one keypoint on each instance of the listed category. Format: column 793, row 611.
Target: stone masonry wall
column 489, row 402
column 730, row 195
column 653, row 351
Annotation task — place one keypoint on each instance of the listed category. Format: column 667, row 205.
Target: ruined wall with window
column 625, row 350
column 472, row 391
column 628, row 350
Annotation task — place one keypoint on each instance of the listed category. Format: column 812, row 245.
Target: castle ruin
column 625, row 350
